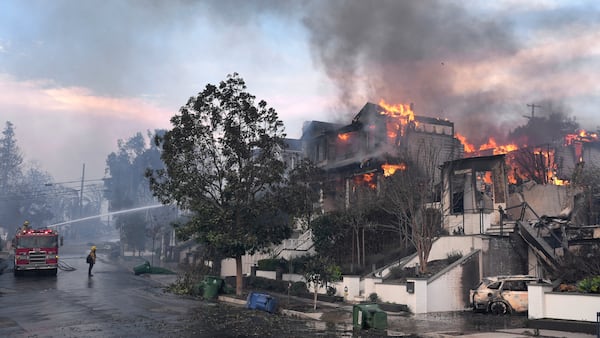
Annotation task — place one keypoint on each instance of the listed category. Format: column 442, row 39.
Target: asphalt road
column 116, row 303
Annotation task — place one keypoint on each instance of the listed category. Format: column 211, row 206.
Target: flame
column 469, row 148
column 576, row 140
column 344, row 137
column 401, row 110
column 487, row 178
column 490, row 145
column 367, row 179
column 581, row 136
column 498, row 149
column 399, row 116
column 390, row 169
column 540, row 165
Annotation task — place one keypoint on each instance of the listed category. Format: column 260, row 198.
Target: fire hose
column 65, row 267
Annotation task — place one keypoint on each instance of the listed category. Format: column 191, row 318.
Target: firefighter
column 25, row 226
column 91, row 259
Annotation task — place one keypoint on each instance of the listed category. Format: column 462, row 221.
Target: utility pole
column 81, row 192
column 533, row 106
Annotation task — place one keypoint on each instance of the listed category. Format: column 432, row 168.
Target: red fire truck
column 36, row 250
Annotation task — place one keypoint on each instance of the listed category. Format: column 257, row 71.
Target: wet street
column 116, row 303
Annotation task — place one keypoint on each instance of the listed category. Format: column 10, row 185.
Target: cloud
column 67, row 127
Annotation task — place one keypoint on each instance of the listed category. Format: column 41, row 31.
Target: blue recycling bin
column 261, row 301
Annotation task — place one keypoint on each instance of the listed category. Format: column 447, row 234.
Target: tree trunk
column 315, row 297
column 364, row 262
column 358, row 260
column 352, row 260
column 238, row 276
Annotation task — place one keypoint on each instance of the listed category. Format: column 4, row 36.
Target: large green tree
column 223, row 164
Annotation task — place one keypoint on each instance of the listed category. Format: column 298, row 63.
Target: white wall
column 394, row 293
column 561, row 305
column 228, row 265
column 472, row 224
column 266, row 274
column 446, row 244
column 445, row 293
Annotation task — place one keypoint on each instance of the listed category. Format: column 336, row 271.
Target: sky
column 77, row 76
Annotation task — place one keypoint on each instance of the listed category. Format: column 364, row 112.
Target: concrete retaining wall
column 545, row 304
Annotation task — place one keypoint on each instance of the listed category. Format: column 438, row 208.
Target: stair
column 507, row 228
column 539, row 246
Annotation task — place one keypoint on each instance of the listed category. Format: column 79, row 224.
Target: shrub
column 398, row 272
column 298, row 289
column 272, row 264
column 259, row 283
column 188, row 283
column 589, row 285
column 297, row 264
column 453, row 256
column 331, row 290
column 373, row 297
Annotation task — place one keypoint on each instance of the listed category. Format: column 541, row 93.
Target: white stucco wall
column 266, row 274
column 445, row 293
column 393, row 293
column 446, row 244
column 561, row 305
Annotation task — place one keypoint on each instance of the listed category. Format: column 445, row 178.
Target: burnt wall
column 470, row 276
column 505, row 256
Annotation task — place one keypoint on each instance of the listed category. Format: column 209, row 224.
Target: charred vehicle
column 502, row 294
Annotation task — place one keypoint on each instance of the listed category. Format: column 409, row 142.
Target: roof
column 293, row 144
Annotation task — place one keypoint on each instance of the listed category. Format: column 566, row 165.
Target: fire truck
column 36, row 250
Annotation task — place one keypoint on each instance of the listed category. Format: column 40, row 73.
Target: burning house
column 380, row 140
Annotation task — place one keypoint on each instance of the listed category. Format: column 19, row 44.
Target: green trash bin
column 368, row 316
column 142, row 268
column 212, row 286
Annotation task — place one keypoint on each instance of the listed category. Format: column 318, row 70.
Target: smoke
column 435, row 54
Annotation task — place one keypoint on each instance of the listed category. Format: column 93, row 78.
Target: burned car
column 502, row 294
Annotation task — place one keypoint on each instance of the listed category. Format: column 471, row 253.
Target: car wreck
column 502, row 294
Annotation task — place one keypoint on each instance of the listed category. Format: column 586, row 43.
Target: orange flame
column 469, row 148
column 390, row 169
column 367, row 179
column 399, row 114
column 344, row 137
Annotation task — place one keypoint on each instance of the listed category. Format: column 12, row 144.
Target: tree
column 11, row 176
column 128, row 187
column 301, row 190
column 11, row 159
column 318, row 272
column 587, row 178
column 223, row 166
column 408, row 194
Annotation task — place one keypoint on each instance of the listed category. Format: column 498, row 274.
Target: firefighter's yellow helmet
column 26, row 223
column 93, row 248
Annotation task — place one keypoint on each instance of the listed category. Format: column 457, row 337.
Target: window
column 494, row 286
